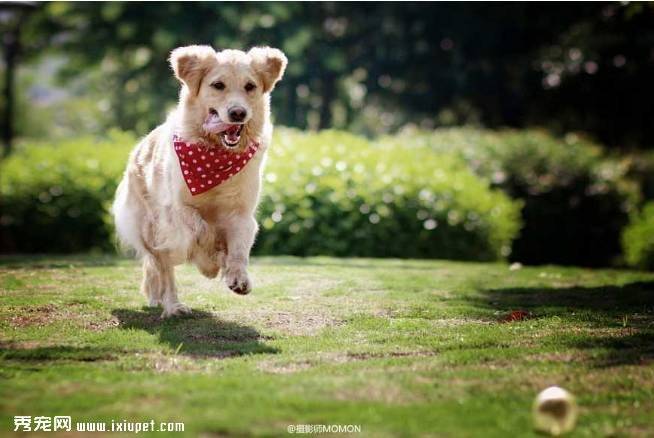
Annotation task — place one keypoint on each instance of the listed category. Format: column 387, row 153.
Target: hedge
column 576, row 199
column 328, row 193
column 55, row 197
column 337, row 194
column 638, row 239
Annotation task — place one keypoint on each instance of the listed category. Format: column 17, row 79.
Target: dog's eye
column 218, row 85
column 250, row 86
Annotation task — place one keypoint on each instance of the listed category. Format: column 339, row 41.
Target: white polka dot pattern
column 217, row 165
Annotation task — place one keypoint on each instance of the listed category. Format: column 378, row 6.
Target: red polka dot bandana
column 205, row 168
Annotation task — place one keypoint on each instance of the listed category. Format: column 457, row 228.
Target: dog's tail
column 128, row 214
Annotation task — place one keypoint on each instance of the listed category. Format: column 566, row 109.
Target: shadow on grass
column 199, row 334
column 353, row 262
column 48, row 261
column 16, row 351
column 622, row 317
column 609, row 301
column 627, row 348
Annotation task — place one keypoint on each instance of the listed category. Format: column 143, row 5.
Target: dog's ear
column 269, row 64
column 191, row 63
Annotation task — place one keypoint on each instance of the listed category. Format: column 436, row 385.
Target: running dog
column 191, row 186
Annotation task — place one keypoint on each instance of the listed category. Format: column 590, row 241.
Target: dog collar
column 204, row 168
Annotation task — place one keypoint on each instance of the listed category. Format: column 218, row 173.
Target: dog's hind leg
column 152, row 285
column 159, row 283
column 169, row 299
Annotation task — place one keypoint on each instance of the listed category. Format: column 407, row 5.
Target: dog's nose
column 237, row 114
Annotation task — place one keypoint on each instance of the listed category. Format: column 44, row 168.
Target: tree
column 12, row 16
column 375, row 67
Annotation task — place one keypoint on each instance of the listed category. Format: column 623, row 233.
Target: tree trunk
column 328, row 94
column 292, row 118
column 10, row 42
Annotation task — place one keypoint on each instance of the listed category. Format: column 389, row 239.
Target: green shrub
column 327, row 193
column 638, row 239
column 56, row 197
column 338, row 194
column 640, row 168
column 576, row 200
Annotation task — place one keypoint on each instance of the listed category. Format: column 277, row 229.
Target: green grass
column 398, row 347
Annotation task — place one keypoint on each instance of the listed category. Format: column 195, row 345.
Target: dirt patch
column 334, row 358
column 302, row 324
column 98, row 326
column 568, row 357
column 23, row 345
column 457, row 322
column 47, row 314
column 284, row 368
column 31, row 316
column 384, row 355
column 289, row 323
column 617, row 382
column 168, row 364
column 383, row 392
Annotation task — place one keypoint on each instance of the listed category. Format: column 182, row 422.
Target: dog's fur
column 154, row 211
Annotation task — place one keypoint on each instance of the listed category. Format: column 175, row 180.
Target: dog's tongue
column 232, row 132
column 213, row 125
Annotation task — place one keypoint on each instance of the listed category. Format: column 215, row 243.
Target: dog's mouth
column 229, row 133
column 231, row 136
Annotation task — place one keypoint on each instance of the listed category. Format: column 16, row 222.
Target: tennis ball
column 555, row 411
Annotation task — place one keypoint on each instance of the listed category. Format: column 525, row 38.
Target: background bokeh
column 474, row 130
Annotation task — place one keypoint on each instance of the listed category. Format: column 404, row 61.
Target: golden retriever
column 173, row 207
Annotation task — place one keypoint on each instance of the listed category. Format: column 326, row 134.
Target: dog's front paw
column 238, row 281
column 175, row 309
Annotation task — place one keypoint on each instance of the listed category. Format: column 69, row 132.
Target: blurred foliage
column 327, row 193
column 640, row 168
column 337, row 194
column 638, row 239
column 369, row 67
column 45, row 114
column 576, row 199
column 56, row 197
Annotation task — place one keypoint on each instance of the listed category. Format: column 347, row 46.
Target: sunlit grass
column 399, row 347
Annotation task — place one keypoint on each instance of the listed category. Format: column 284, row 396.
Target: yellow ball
column 555, row 411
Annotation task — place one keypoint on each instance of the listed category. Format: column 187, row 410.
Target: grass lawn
column 398, row 347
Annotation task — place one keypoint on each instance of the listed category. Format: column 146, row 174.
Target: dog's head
column 226, row 93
